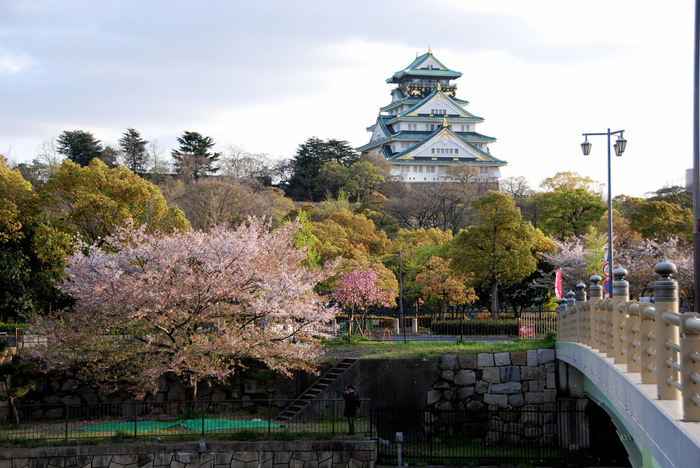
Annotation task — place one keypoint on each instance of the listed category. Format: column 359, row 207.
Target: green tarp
column 191, row 424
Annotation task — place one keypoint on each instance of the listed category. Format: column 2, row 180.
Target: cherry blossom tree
column 360, row 289
column 189, row 303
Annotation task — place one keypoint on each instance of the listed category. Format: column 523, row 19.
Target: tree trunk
column 494, row 300
column 352, row 309
column 444, row 308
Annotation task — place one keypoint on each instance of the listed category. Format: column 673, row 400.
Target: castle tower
column 425, row 132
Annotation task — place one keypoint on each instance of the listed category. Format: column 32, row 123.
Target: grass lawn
column 381, row 349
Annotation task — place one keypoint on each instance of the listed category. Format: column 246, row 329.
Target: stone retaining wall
column 272, row 454
column 524, row 381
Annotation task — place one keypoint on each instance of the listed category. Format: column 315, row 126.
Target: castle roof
column 426, row 66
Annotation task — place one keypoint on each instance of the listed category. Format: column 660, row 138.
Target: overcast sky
column 267, row 75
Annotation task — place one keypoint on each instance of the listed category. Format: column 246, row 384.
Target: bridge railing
column 652, row 339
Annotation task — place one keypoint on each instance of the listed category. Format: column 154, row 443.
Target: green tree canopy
column 501, row 250
column 134, row 151
column 570, row 203
column 31, row 253
column 194, row 159
column 92, row 201
column 79, row 146
column 308, row 161
column 660, row 221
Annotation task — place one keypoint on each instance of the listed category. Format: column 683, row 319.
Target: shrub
column 477, row 327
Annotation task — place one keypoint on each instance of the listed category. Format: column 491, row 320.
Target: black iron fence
column 461, row 326
column 559, row 436
column 533, row 437
column 231, row 419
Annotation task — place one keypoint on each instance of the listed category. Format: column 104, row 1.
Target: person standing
column 352, row 402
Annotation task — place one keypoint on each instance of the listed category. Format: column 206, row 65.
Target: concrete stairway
column 316, row 389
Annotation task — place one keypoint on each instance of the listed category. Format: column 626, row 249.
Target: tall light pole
column 619, row 146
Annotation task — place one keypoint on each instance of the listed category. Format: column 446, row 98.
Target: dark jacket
column 352, row 401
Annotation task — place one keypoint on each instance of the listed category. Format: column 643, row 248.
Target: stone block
column 71, row 400
column 481, row 387
column 88, row 395
column 532, row 357
column 101, row 461
column 253, row 387
column 550, row 395
column 467, row 361
column 484, row 360
column 496, row 400
column 449, row 395
column 62, row 461
column 551, row 380
column 545, row 355
column 465, row 393
column 507, row 388
column 515, row 428
column 164, row 459
column 519, row 358
column 534, row 397
column 282, row 458
column 448, row 374
column 510, row 438
column 146, row 459
column 496, row 425
column 449, row 361
column 536, row 386
column 516, row 400
column 494, row 436
column 550, row 367
column 464, row 377
column 444, row 406
column 501, row 359
column 510, row 374
column 223, row 458
column 183, row 457
column 532, row 373
column 441, row 385
column 533, row 432
column 433, row 397
column 475, row 406
column 491, row 375
column 304, row 456
column 69, row 385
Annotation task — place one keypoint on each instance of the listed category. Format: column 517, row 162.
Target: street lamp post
column 619, row 147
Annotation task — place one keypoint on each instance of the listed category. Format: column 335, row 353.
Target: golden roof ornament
column 444, row 121
column 430, row 50
column 438, row 88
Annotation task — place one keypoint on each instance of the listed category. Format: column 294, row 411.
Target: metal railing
column 654, row 340
column 150, row 420
column 527, row 325
column 556, row 436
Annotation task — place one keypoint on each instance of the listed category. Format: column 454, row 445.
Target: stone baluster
column 596, row 293
column 632, row 328
column 581, row 329
column 571, row 311
column 690, row 344
column 647, row 329
column 666, row 300
column 621, row 292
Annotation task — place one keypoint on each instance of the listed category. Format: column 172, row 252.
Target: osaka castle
column 426, row 132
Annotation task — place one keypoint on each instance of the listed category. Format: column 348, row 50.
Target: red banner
column 557, row 284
